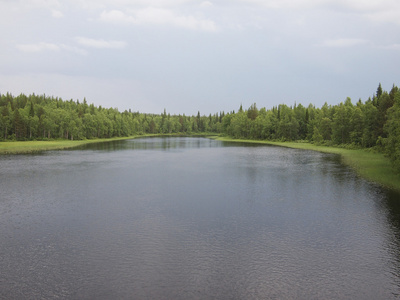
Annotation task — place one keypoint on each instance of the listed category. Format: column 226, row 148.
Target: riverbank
column 24, row 147
column 368, row 164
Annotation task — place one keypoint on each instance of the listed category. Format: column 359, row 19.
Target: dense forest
column 374, row 123
column 36, row 117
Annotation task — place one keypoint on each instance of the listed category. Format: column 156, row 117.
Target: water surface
column 193, row 218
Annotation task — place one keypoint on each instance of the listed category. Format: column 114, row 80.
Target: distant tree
column 384, row 102
column 288, row 126
column 5, row 122
column 379, row 91
column 326, row 128
column 393, row 132
column 317, row 136
column 341, row 124
column 19, row 126
column 357, row 126
column 41, row 116
column 370, row 125
column 252, row 112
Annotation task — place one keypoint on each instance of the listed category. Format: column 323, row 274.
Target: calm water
column 192, row 218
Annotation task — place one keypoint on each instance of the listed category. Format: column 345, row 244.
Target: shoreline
column 372, row 166
column 27, row 147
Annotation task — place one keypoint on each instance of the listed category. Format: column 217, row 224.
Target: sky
column 187, row 56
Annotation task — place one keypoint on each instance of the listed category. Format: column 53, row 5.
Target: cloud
column 116, row 16
column 384, row 11
column 100, row 43
column 355, row 5
column 38, row 47
column 389, row 16
column 56, row 14
column 206, row 4
column 73, row 49
column 286, row 4
column 362, row 5
column 158, row 16
column 343, row 43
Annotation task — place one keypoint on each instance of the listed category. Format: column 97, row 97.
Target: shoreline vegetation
column 368, row 164
column 365, row 134
column 27, row 147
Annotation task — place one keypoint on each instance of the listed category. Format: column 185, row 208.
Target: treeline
column 373, row 123
column 37, row 117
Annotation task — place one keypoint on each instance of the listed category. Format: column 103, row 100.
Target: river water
column 194, row 218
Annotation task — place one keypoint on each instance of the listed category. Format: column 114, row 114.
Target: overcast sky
column 208, row 56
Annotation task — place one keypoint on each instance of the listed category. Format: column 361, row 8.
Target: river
column 194, row 218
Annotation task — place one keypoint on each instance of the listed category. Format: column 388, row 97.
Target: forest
column 374, row 123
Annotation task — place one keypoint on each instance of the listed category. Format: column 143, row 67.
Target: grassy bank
column 19, row 147
column 368, row 164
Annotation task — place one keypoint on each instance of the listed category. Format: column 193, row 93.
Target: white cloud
column 158, row 16
column 132, row 2
column 342, row 43
column 53, row 6
column 286, row 4
column 385, row 11
column 262, row 41
column 100, row 43
column 116, row 16
column 362, row 5
column 38, row 47
column 56, row 13
column 358, row 5
column 206, row 4
column 43, row 3
column 73, row 49
column 389, row 16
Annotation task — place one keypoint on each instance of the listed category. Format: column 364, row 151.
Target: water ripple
column 191, row 219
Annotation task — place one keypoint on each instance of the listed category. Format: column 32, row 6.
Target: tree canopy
column 373, row 123
column 40, row 117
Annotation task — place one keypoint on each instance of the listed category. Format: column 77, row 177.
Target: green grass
column 368, row 164
column 21, row 147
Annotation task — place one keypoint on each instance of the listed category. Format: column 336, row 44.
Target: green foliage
column 36, row 117
column 317, row 136
column 375, row 123
column 341, row 124
column 252, row 112
column 392, row 128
